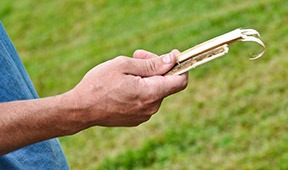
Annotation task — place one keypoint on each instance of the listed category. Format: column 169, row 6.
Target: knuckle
column 137, row 52
column 121, row 59
column 144, row 119
column 137, row 124
column 153, row 109
column 184, row 84
column 151, row 66
column 181, row 85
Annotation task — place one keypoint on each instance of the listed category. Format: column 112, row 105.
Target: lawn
column 234, row 112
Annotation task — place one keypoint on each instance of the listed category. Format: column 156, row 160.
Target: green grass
column 234, row 112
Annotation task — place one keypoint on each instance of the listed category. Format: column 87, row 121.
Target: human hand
column 125, row 91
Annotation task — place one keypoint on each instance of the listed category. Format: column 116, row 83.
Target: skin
column 121, row 92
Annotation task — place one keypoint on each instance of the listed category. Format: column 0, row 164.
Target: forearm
column 127, row 95
column 26, row 122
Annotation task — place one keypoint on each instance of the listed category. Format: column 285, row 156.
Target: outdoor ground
column 234, row 112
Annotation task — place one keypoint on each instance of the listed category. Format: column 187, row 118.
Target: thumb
column 153, row 66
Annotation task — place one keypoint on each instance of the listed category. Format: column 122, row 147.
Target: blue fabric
column 15, row 84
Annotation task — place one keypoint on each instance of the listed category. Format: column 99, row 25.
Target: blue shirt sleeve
column 15, row 84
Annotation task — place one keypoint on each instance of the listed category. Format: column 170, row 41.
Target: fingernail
column 167, row 58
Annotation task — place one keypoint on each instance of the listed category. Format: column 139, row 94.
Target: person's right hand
column 124, row 91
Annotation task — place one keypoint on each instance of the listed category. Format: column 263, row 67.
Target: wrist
column 71, row 114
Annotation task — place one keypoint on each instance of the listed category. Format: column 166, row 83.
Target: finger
column 152, row 66
column 175, row 52
column 162, row 86
column 152, row 107
column 143, row 54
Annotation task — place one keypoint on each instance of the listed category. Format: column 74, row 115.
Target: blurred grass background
column 234, row 112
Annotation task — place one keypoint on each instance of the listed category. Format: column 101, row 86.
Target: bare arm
column 119, row 92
